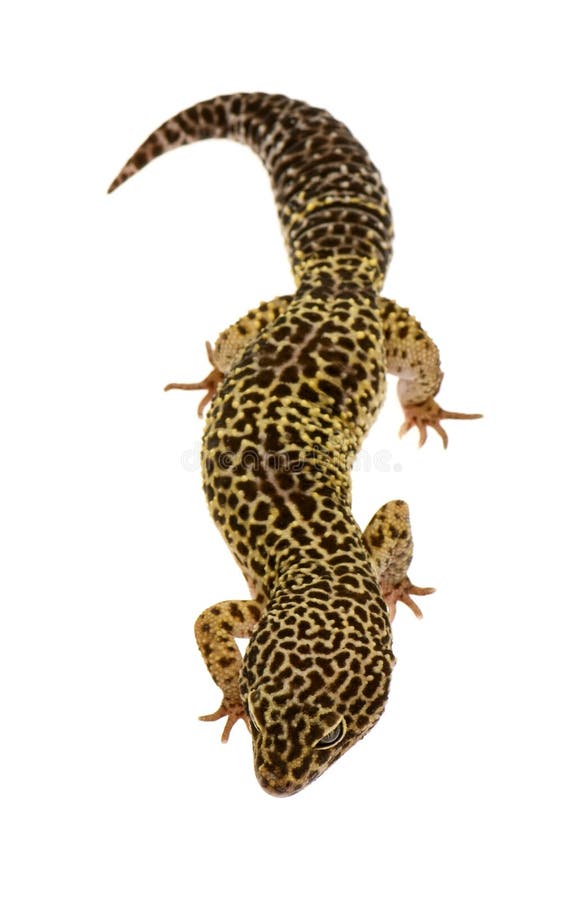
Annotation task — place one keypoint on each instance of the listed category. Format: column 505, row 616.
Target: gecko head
column 310, row 700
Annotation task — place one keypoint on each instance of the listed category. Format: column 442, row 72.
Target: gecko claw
column 393, row 594
column 428, row 415
column 209, row 384
column 233, row 715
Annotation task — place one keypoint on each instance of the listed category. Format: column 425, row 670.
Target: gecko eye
column 252, row 717
column 333, row 737
column 253, row 722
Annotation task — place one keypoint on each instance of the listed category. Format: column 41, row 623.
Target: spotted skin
column 295, row 386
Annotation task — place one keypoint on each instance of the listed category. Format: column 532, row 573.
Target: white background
column 469, row 786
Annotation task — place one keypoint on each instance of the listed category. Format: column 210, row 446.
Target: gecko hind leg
column 209, row 384
column 388, row 539
column 230, row 345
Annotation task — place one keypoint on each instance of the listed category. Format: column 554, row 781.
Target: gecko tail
column 329, row 195
column 217, row 118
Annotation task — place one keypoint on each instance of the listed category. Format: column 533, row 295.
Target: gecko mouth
column 278, row 788
column 280, row 785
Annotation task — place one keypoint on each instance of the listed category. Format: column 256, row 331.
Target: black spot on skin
column 305, row 503
column 376, row 539
column 249, row 489
column 276, row 661
column 333, row 390
column 284, row 480
column 299, row 534
column 282, row 390
column 307, row 393
column 235, row 612
column 273, row 442
column 329, row 543
column 257, row 531
column 290, row 374
column 171, row 134
column 283, row 520
column 265, row 377
column 262, row 511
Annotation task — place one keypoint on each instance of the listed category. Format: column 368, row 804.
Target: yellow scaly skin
column 295, row 386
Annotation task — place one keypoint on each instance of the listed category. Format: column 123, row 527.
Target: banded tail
column 330, row 197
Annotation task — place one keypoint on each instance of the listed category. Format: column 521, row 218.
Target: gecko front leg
column 230, row 344
column 215, row 630
column 209, row 384
column 388, row 539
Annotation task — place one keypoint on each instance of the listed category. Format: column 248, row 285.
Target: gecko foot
column 209, row 384
column 428, row 415
column 392, row 594
column 233, row 715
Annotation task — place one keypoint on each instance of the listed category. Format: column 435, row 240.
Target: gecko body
column 295, row 385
